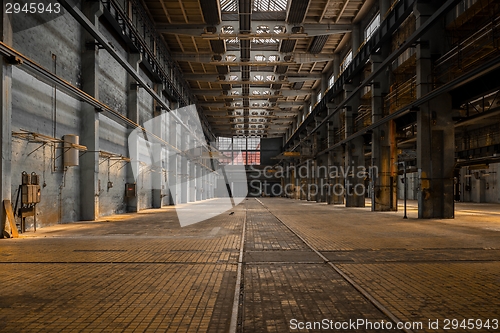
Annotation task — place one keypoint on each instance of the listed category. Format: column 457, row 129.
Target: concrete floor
column 303, row 262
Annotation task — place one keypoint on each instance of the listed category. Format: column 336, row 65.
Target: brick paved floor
column 143, row 272
column 418, row 269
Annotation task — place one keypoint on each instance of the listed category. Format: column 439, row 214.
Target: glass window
column 331, row 81
column 229, row 5
column 224, row 143
column 240, row 150
column 347, row 60
column 372, row 27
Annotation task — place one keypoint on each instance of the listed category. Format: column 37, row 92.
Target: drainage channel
column 236, row 314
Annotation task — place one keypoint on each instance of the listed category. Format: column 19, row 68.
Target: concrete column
column 435, row 159
column 5, row 119
column 192, row 182
column 165, row 159
column 355, row 39
column 384, row 153
column 311, row 182
column 157, row 177
column 336, row 159
column 324, row 84
column 302, row 182
column 199, row 183
column 384, row 8
column 134, row 60
column 212, row 182
column 184, row 171
column 354, row 155
column 320, row 179
column 338, row 193
column 89, row 162
column 172, row 163
column 312, row 101
column 436, row 133
column 336, row 65
column 321, row 162
column 296, row 181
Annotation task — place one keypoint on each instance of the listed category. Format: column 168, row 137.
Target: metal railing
column 401, row 94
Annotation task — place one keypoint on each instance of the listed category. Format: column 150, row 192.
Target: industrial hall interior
column 250, row 166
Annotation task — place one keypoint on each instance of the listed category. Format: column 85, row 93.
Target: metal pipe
column 64, row 85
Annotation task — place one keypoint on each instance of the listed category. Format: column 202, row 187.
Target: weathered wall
column 39, row 107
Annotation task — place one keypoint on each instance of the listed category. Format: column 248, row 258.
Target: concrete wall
column 41, row 108
column 475, row 185
column 270, row 148
column 480, row 185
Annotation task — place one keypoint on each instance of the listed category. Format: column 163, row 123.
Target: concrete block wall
column 112, row 138
column 482, row 186
column 146, row 109
column 112, row 77
column 41, row 108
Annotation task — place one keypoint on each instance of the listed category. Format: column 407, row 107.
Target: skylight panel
column 269, row 5
column 265, row 40
column 229, row 5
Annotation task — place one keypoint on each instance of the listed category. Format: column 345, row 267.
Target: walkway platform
column 303, row 267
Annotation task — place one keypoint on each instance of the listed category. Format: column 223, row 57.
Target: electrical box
column 26, row 178
column 30, row 194
column 130, row 190
column 26, row 194
column 30, row 188
column 35, row 179
column 35, row 193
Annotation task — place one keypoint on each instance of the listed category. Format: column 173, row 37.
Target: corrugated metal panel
column 318, row 43
column 287, row 45
column 281, row 69
column 297, row 12
column 218, row 46
column 222, row 69
column 210, row 9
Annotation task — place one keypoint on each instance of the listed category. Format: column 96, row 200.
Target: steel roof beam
column 303, row 30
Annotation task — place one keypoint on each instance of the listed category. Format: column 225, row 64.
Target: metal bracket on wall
column 33, row 137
